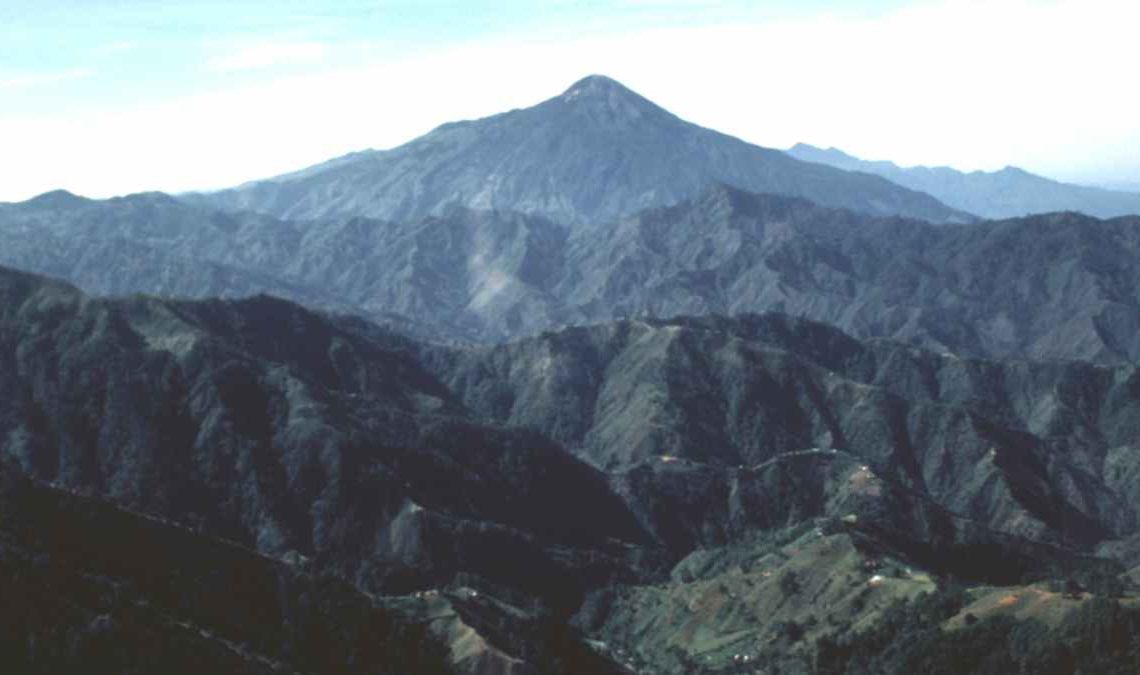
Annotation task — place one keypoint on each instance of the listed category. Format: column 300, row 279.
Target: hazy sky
column 110, row 97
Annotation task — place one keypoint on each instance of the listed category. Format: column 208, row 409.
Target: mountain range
column 1008, row 193
column 545, row 472
column 577, row 388
column 1057, row 286
column 1121, row 187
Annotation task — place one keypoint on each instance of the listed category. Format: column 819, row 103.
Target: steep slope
column 1040, row 450
column 458, row 274
column 288, row 431
column 388, row 461
column 270, row 426
column 1055, row 286
column 89, row 588
column 594, row 153
column 346, row 461
column 148, row 242
column 1008, row 193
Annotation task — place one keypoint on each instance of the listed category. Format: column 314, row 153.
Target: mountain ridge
column 504, row 490
column 1071, row 292
column 593, row 153
column 1006, row 193
column 262, row 373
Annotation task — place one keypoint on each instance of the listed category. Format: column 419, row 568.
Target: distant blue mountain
column 594, row 153
column 1120, row 187
column 1008, row 193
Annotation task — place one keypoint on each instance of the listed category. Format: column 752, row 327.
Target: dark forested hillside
column 89, row 588
column 567, row 475
column 1056, row 286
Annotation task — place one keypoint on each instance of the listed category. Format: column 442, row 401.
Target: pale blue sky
column 118, row 51
column 113, row 97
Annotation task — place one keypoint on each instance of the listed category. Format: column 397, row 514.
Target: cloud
column 266, row 55
column 26, row 80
